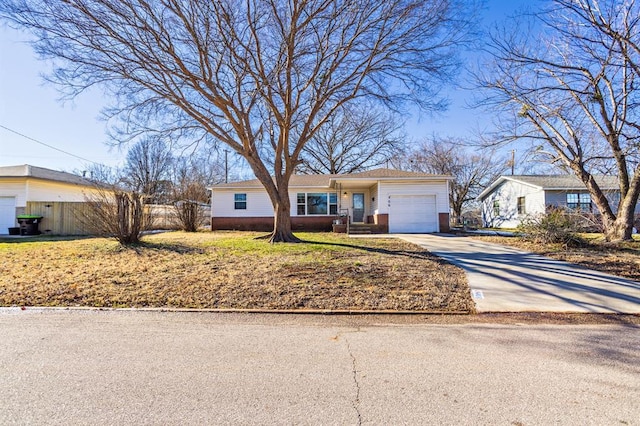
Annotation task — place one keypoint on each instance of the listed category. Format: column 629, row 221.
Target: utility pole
column 513, row 161
column 226, row 166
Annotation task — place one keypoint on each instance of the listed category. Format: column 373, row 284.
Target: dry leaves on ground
column 231, row 270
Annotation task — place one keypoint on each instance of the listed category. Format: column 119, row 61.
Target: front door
column 358, row 207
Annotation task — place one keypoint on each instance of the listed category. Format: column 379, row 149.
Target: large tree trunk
column 622, row 227
column 278, row 190
column 282, row 223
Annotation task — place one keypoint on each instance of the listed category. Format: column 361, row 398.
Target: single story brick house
column 392, row 201
column 27, row 189
column 511, row 198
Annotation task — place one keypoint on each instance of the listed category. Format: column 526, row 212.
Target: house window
column 333, row 203
column 240, row 201
column 496, row 208
column 316, row 203
column 522, row 209
column 579, row 201
column 302, row 204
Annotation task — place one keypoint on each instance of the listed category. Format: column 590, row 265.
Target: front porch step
column 359, row 229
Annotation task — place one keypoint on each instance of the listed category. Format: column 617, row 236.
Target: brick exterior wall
column 265, row 224
column 382, row 222
column 305, row 223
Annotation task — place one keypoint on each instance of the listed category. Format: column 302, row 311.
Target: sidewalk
column 504, row 279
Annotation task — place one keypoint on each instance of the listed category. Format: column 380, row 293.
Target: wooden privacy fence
column 61, row 218
column 71, row 218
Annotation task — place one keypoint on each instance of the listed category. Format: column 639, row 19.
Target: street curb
column 239, row 311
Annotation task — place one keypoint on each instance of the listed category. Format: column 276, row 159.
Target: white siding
column 507, row 195
column 37, row 190
column 25, row 190
column 258, row 203
column 374, row 199
column 437, row 188
column 14, row 188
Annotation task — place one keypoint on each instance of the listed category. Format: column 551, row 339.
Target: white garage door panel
column 7, row 214
column 413, row 213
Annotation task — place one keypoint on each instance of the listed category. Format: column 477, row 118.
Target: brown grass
column 620, row 259
column 230, row 270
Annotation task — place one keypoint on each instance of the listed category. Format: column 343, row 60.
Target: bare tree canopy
column 569, row 76
column 471, row 171
column 147, row 169
column 261, row 76
column 353, row 140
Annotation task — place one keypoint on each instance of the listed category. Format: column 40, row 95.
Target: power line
column 48, row 146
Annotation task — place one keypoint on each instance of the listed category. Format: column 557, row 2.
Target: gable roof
column 325, row 181
column 29, row 171
column 554, row 183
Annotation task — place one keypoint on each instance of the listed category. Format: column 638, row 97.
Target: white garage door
column 7, row 214
column 412, row 213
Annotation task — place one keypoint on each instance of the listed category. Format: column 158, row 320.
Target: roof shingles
column 324, row 180
column 44, row 174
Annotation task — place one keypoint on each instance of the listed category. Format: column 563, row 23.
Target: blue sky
column 30, row 106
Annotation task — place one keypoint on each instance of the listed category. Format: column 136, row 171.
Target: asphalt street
column 132, row 367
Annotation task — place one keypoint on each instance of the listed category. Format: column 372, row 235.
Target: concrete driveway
column 504, row 279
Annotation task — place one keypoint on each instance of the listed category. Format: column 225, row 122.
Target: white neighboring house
column 510, row 199
column 388, row 200
column 23, row 184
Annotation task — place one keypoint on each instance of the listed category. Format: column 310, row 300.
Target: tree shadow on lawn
column 418, row 254
column 138, row 248
column 17, row 239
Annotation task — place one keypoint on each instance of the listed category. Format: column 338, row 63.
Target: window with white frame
column 496, row 208
column 316, row 203
column 240, row 201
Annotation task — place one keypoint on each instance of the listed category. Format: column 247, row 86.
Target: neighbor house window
column 240, row 201
column 579, row 201
column 496, row 208
column 522, row 209
column 316, row 203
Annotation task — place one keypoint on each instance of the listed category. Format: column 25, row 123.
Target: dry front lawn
column 230, row 270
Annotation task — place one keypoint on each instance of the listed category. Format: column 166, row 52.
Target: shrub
column 555, row 226
column 117, row 214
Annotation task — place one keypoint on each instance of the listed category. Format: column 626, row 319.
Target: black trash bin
column 29, row 224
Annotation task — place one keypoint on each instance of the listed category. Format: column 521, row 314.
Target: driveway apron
column 504, row 279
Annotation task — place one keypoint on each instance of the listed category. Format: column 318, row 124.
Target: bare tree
column 471, row 171
column 353, row 140
column 191, row 176
column 257, row 75
column 147, row 169
column 569, row 76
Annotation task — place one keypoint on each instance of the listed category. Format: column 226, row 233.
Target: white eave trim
column 499, row 182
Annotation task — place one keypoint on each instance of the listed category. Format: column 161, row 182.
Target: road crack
column 354, row 370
